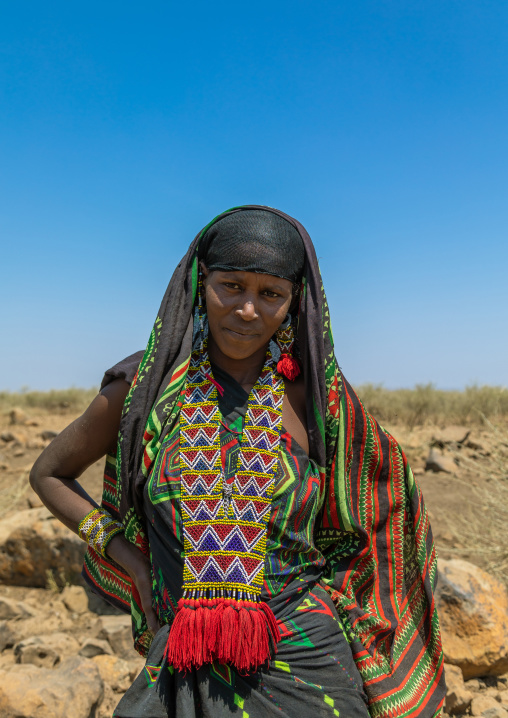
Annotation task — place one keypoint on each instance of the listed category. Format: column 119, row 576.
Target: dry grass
column 55, row 401
column 423, row 405
column 11, row 496
column 482, row 530
column 426, row 405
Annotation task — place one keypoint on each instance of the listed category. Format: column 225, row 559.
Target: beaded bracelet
column 98, row 528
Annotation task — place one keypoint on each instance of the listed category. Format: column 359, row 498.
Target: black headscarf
column 254, row 241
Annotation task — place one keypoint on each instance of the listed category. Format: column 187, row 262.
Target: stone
column 117, row 630
column 75, row 599
column 4, row 466
column 114, row 671
column 108, row 703
column 451, row 434
column 495, row 712
column 75, row 688
column 473, row 611
column 34, row 501
column 18, row 416
column 95, row 647
column 46, row 651
column 48, row 435
column 437, row 461
column 10, row 609
column 458, row 697
column 17, row 437
column 136, row 665
column 33, row 542
column 36, row 444
column 473, row 684
column 36, row 654
column 7, row 635
column 480, row 704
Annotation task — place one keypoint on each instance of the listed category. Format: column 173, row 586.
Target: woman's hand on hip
column 137, row 565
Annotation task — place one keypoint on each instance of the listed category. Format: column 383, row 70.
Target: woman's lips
column 240, row 335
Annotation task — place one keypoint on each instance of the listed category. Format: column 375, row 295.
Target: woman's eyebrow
column 275, row 288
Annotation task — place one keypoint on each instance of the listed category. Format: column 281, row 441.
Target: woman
column 266, row 534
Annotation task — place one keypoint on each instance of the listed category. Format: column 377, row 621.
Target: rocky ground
column 65, row 653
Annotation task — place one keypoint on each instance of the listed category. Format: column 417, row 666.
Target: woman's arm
column 53, row 478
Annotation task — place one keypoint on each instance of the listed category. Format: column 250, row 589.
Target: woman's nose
column 247, row 311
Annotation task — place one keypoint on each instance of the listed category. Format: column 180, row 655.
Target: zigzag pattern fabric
column 225, row 522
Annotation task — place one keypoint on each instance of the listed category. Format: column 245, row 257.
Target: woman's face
column 244, row 309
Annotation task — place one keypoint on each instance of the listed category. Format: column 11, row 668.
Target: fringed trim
column 241, row 633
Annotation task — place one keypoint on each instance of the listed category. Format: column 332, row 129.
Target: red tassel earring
column 288, row 365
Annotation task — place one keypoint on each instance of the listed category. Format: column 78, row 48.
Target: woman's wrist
column 98, row 528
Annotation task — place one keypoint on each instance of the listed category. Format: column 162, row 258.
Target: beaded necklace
column 220, row 616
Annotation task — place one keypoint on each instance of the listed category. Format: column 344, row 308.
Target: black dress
column 313, row 672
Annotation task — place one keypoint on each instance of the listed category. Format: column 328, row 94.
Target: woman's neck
column 244, row 371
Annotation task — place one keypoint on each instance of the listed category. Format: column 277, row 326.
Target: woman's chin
column 240, row 349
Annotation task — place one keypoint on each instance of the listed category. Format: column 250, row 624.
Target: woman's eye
column 269, row 293
column 231, row 285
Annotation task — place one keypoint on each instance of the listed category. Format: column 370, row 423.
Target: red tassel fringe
column 288, row 366
column 241, row 633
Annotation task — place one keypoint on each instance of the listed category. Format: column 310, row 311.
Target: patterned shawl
column 374, row 530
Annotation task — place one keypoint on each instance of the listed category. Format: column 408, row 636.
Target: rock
column 34, row 501
column 480, row 704
column 10, row 609
column 117, row 630
column 451, row 434
column 497, row 712
column 136, row 665
column 74, row 688
column 7, row 635
column 54, row 621
column 4, row 466
column 18, row 416
column 95, row 647
column 46, row 651
column 36, row 654
column 473, row 611
column 437, row 461
column 458, row 698
column 36, row 444
column 48, row 435
column 473, row 684
column 18, row 437
column 33, row 542
column 114, row 671
column 75, row 599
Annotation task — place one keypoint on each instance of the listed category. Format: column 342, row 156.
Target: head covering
column 381, row 566
column 254, row 241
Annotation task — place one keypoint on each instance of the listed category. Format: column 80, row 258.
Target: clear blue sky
column 382, row 126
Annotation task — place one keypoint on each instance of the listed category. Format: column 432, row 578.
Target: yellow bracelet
column 98, row 528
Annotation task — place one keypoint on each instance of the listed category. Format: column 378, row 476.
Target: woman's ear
column 204, row 269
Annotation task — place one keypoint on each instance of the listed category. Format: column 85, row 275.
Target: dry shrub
column 426, row 405
column 57, row 401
